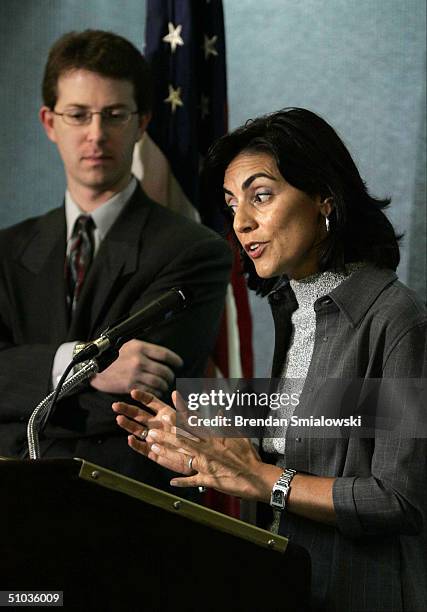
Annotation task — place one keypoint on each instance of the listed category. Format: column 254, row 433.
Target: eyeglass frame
column 102, row 113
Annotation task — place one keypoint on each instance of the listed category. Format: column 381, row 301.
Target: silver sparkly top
column 307, row 291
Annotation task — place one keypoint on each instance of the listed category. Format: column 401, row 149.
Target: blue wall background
column 361, row 65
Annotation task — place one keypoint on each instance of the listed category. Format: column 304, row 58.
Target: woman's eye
column 231, row 206
column 261, row 197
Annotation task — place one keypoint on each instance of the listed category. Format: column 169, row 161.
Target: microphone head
column 156, row 312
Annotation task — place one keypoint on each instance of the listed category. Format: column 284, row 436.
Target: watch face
column 277, row 497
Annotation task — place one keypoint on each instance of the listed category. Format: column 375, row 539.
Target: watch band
column 281, row 488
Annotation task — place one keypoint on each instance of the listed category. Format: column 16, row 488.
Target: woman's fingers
column 225, row 464
column 138, row 446
column 132, row 426
column 190, row 481
column 177, row 460
column 151, row 401
column 132, row 412
column 182, row 418
column 171, row 440
column 162, row 411
column 136, row 421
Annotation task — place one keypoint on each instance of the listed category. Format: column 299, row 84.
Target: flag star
column 174, row 98
column 204, row 106
column 209, row 46
column 174, row 36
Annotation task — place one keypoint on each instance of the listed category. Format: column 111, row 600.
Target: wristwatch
column 280, row 490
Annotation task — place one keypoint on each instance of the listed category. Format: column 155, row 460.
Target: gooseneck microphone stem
column 38, row 415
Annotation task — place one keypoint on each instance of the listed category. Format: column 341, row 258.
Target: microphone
column 155, row 312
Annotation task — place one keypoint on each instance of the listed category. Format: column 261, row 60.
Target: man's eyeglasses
column 113, row 117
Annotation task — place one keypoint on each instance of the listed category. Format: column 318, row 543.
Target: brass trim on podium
column 106, row 478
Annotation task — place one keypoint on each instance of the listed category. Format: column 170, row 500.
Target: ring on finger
column 190, row 463
column 143, row 434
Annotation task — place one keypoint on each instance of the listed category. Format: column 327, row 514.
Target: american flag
column 185, row 45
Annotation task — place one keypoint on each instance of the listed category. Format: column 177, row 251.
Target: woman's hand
column 230, row 465
column 138, row 422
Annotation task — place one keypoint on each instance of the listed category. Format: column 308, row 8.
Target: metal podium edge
column 111, row 480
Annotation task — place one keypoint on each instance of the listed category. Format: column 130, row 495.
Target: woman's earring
column 327, row 223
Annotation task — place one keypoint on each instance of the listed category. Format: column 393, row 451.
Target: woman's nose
column 244, row 220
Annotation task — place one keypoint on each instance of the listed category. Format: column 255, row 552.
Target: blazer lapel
column 43, row 257
column 117, row 258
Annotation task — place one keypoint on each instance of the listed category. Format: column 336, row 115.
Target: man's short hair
column 101, row 52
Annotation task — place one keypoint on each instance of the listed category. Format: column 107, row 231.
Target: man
column 120, row 249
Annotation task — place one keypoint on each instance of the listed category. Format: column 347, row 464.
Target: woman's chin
column 265, row 273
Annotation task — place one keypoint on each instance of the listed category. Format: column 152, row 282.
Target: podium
column 114, row 544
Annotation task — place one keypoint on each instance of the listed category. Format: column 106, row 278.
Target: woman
column 321, row 247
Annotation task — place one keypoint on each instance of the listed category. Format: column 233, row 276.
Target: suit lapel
column 117, row 258
column 43, row 256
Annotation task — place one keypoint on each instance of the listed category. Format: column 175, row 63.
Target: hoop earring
column 327, row 222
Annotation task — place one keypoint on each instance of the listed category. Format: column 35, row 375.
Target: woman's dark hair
column 311, row 157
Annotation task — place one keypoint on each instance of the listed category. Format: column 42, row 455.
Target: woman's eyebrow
column 247, row 182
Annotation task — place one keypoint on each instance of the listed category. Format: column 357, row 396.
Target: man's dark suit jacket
column 147, row 251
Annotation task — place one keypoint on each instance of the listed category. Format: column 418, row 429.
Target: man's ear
column 327, row 206
column 47, row 120
column 144, row 120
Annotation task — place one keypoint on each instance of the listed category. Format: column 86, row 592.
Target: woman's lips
column 255, row 249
